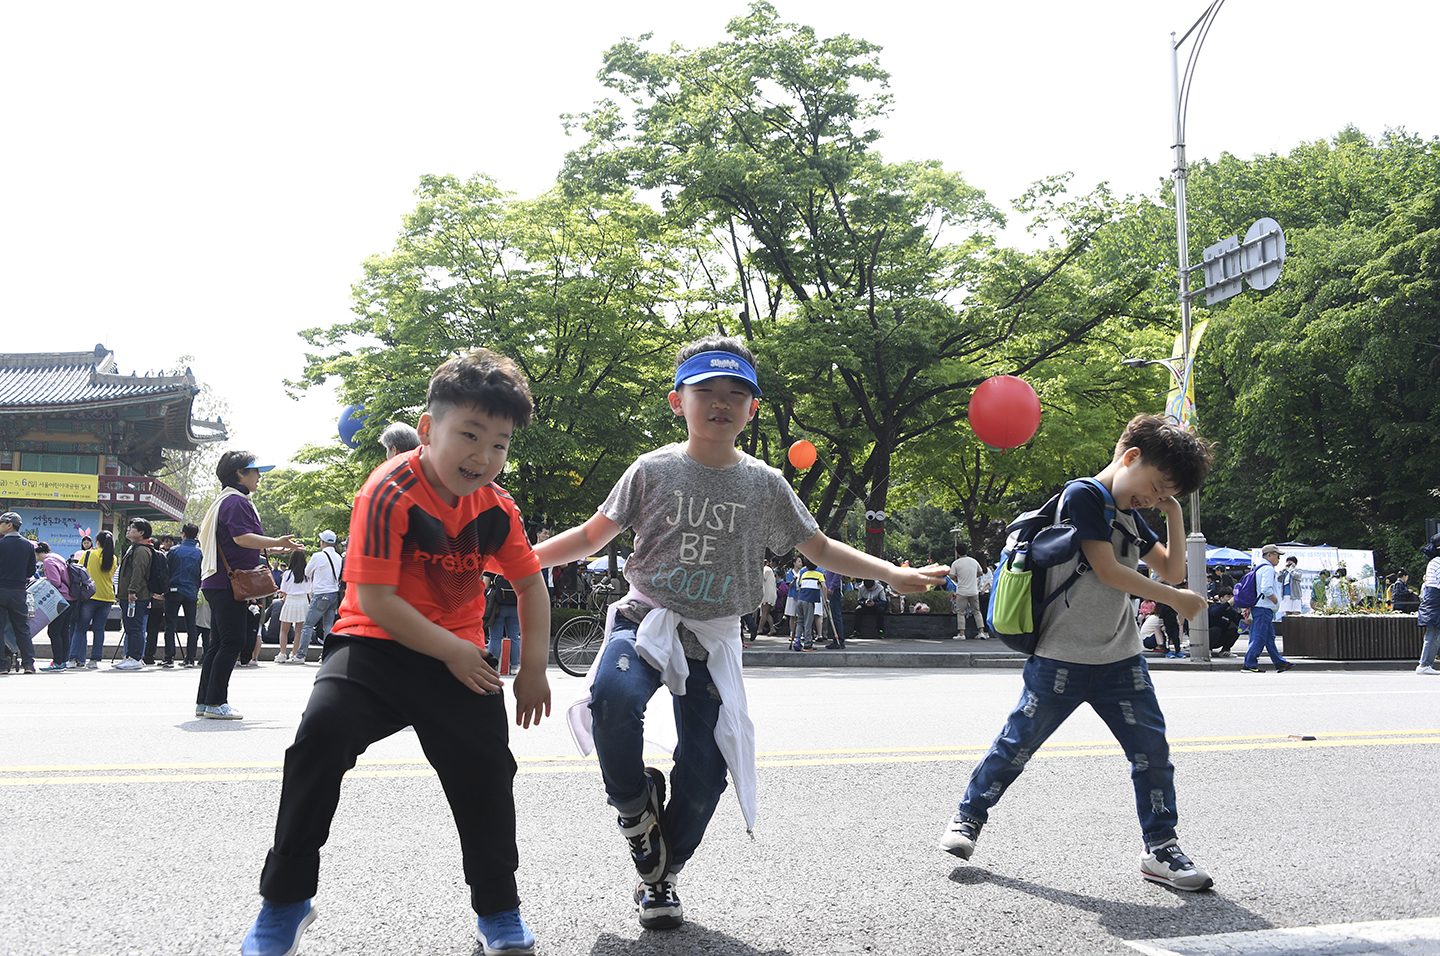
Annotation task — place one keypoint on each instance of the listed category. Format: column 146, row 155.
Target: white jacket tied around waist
column 657, row 641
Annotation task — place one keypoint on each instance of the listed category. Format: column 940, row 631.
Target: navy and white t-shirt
column 1093, row 623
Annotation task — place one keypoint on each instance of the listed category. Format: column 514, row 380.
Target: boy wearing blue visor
column 704, row 514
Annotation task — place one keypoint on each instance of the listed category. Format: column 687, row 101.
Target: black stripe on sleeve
column 382, row 497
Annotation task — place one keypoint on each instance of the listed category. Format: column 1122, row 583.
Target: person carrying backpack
column 159, row 580
column 1262, row 614
column 1088, row 649
column 59, row 630
column 133, row 590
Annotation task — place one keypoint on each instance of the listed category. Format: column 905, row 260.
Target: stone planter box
column 1353, row 637
column 909, row 626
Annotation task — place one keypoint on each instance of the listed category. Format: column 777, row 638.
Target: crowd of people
column 170, row 604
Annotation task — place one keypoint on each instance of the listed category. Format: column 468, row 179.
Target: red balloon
column 1004, row 412
column 802, row 454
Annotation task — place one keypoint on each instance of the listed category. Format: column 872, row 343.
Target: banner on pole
column 1180, row 404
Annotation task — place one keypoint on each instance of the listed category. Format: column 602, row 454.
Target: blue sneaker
column 504, row 933
column 278, row 929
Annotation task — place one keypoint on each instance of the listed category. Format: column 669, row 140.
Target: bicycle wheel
column 576, row 643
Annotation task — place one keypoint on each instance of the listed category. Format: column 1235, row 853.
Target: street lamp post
column 1195, row 541
column 1180, row 90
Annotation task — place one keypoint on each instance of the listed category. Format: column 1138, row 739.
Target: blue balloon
column 352, row 419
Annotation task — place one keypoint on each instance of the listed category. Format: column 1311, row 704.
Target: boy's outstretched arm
column 381, row 604
column 577, row 543
column 532, row 690
column 843, row 559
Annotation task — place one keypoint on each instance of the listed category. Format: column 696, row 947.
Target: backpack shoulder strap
column 1105, row 495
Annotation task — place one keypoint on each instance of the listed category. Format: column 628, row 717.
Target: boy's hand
column 1187, row 603
column 914, row 580
column 467, row 663
column 532, row 696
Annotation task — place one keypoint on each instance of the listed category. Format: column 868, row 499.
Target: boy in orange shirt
column 409, row 649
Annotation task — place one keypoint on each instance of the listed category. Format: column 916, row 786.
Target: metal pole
column 1195, row 541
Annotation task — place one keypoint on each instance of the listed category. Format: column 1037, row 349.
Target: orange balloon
column 802, row 454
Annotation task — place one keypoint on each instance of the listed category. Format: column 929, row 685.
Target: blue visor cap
column 697, row 368
column 255, row 463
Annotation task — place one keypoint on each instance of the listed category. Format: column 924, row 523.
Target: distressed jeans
column 1122, row 694
column 624, row 684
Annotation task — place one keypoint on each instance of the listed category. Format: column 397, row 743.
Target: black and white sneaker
column 1168, row 865
column 648, row 846
column 659, row 903
column 960, row 837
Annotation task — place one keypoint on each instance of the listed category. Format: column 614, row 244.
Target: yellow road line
column 80, row 775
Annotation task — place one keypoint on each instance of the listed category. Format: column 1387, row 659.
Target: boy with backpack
column 1088, row 648
column 703, row 513
column 408, row 649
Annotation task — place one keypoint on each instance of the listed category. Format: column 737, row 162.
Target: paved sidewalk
column 923, row 652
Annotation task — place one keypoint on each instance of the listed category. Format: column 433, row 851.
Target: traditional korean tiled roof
column 37, row 379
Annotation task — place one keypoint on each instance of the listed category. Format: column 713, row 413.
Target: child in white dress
column 296, row 588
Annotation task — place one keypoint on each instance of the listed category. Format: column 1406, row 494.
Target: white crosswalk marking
column 1410, row 937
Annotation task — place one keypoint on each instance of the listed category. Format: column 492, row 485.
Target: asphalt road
column 132, row 828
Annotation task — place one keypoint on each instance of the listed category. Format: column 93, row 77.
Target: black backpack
column 505, row 592
column 1038, row 540
column 82, row 586
column 159, row 578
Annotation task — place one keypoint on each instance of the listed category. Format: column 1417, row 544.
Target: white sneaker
column 1168, row 865
column 1426, row 669
column 281, row 658
column 128, row 664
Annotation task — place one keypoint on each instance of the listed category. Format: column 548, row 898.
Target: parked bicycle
column 577, row 641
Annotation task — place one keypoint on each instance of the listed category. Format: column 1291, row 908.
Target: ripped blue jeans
column 623, row 686
column 1122, row 694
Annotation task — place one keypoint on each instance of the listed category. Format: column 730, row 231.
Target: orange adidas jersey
column 401, row 533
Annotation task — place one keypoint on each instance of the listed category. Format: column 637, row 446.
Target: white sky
column 206, row 179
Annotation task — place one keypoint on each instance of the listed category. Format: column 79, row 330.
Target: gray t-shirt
column 701, row 533
column 1093, row 623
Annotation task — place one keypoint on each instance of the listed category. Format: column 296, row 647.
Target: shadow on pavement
column 200, row 725
column 689, row 939
column 1200, row 914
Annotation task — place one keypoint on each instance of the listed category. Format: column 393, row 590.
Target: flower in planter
column 922, row 609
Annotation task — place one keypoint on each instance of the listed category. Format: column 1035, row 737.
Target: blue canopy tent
column 1227, row 556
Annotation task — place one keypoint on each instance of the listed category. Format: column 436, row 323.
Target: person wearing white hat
column 324, row 569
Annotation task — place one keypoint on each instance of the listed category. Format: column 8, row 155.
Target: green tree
column 1322, row 391
column 873, row 292
column 590, row 295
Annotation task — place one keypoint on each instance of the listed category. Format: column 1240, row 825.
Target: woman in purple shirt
column 232, row 539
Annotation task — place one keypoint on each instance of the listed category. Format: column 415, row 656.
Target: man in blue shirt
column 185, row 559
column 17, row 567
column 834, row 585
column 1262, row 615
